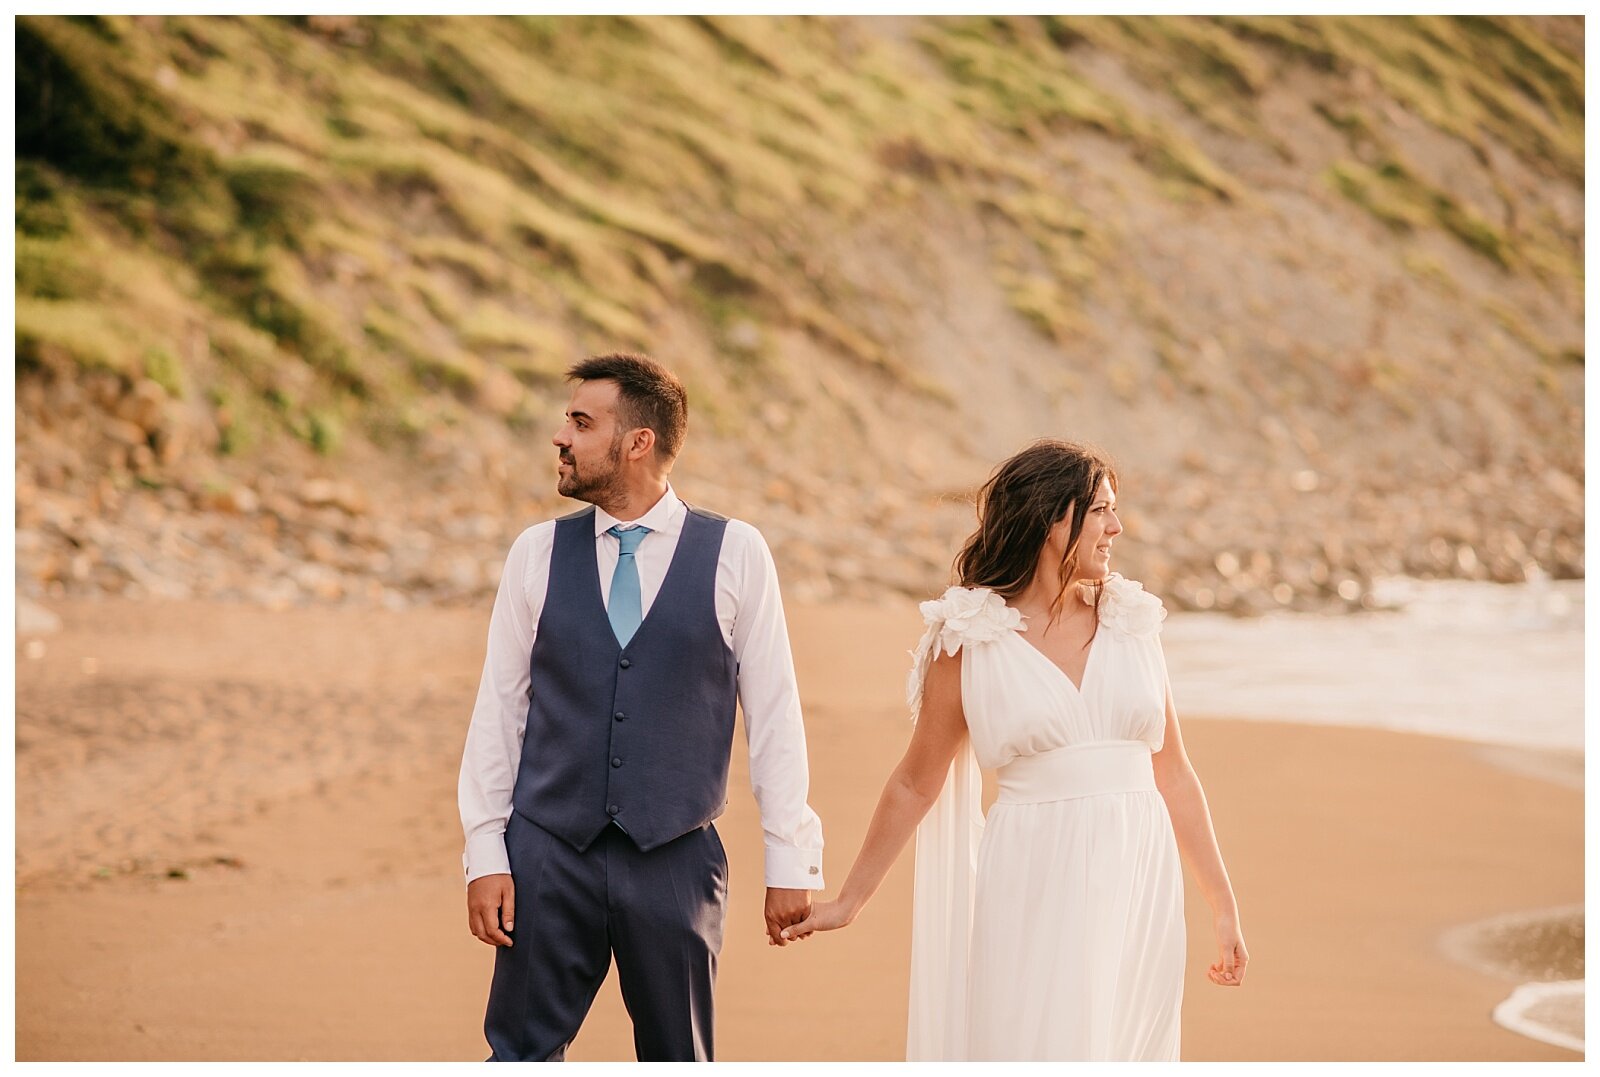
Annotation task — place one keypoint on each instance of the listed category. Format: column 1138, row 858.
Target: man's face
column 589, row 445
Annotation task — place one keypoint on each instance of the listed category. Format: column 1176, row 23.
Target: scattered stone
column 1565, row 487
column 123, row 432
column 235, row 500
column 322, row 549
column 744, row 335
column 171, row 441
column 319, row 493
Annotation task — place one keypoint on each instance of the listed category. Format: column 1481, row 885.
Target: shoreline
column 304, row 900
column 1543, row 949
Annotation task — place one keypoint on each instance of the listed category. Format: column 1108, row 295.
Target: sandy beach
column 237, row 839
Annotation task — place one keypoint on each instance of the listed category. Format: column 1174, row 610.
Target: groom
column 621, row 640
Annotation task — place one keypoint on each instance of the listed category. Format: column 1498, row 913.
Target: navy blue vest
column 638, row 735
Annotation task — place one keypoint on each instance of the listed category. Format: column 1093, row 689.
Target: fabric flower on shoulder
column 1127, row 607
column 962, row 615
column 969, row 615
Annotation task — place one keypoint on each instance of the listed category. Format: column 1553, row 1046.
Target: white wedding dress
column 1054, row 929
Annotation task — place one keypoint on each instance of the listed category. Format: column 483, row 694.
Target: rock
column 322, row 549
column 145, row 406
column 282, row 508
column 171, row 441
column 319, row 493
column 123, row 432
column 780, row 491
column 319, row 581
column 235, row 500
column 744, row 335
column 465, row 573
column 104, row 389
column 775, row 415
column 316, row 492
column 34, row 620
column 1565, row 487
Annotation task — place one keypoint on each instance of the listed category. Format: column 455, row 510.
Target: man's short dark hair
column 650, row 395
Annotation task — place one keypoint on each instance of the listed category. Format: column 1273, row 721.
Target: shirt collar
column 665, row 516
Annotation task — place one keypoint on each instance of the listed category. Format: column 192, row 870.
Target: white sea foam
column 1500, row 664
column 1548, row 1012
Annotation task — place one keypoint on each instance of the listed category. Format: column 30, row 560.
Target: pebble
column 34, row 620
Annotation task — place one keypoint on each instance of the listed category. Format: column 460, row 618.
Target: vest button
column 612, row 809
column 619, row 716
column 625, row 663
column 616, row 761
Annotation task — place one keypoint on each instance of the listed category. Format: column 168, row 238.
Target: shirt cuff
column 486, row 855
column 789, row 868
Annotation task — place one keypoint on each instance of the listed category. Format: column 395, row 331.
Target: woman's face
column 1100, row 527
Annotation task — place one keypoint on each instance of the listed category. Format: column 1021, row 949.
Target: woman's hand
column 825, row 916
column 1232, row 957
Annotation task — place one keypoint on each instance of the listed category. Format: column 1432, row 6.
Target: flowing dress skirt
column 1077, row 933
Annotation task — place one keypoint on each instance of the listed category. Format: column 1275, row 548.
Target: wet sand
column 237, row 839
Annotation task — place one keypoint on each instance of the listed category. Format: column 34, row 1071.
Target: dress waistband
column 1078, row 770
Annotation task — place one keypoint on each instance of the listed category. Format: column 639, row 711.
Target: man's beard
column 592, row 488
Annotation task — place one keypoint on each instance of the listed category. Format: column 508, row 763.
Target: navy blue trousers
column 659, row 912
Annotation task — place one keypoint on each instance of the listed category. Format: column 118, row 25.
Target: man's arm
column 494, row 750
column 770, row 696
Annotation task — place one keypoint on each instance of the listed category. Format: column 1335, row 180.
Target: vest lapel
column 680, row 556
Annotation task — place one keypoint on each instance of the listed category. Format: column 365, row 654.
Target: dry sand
column 237, row 839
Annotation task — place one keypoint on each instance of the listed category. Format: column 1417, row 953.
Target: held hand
column 491, row 901
column 785, row 907
column 825, row 916
column 1232, row 956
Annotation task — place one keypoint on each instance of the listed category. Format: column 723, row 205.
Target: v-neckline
column 1077, row 688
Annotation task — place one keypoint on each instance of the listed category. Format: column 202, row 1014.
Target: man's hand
column 785, row 907
column 491, row 900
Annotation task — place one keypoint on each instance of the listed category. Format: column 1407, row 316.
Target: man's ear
column 641, row 443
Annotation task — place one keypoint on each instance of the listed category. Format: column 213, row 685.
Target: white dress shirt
column 750, row 611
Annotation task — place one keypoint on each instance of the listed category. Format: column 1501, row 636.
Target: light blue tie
column 626, row 607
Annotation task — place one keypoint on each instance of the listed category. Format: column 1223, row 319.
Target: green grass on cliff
column 333, row 222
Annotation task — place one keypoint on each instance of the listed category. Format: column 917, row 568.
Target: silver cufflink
column 814, row 870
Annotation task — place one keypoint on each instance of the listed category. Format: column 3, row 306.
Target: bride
column 1053, row 929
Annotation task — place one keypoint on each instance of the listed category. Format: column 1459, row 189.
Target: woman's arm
column 908, row 794
column 1197, row 842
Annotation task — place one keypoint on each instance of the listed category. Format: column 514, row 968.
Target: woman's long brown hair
column 1024, row 498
